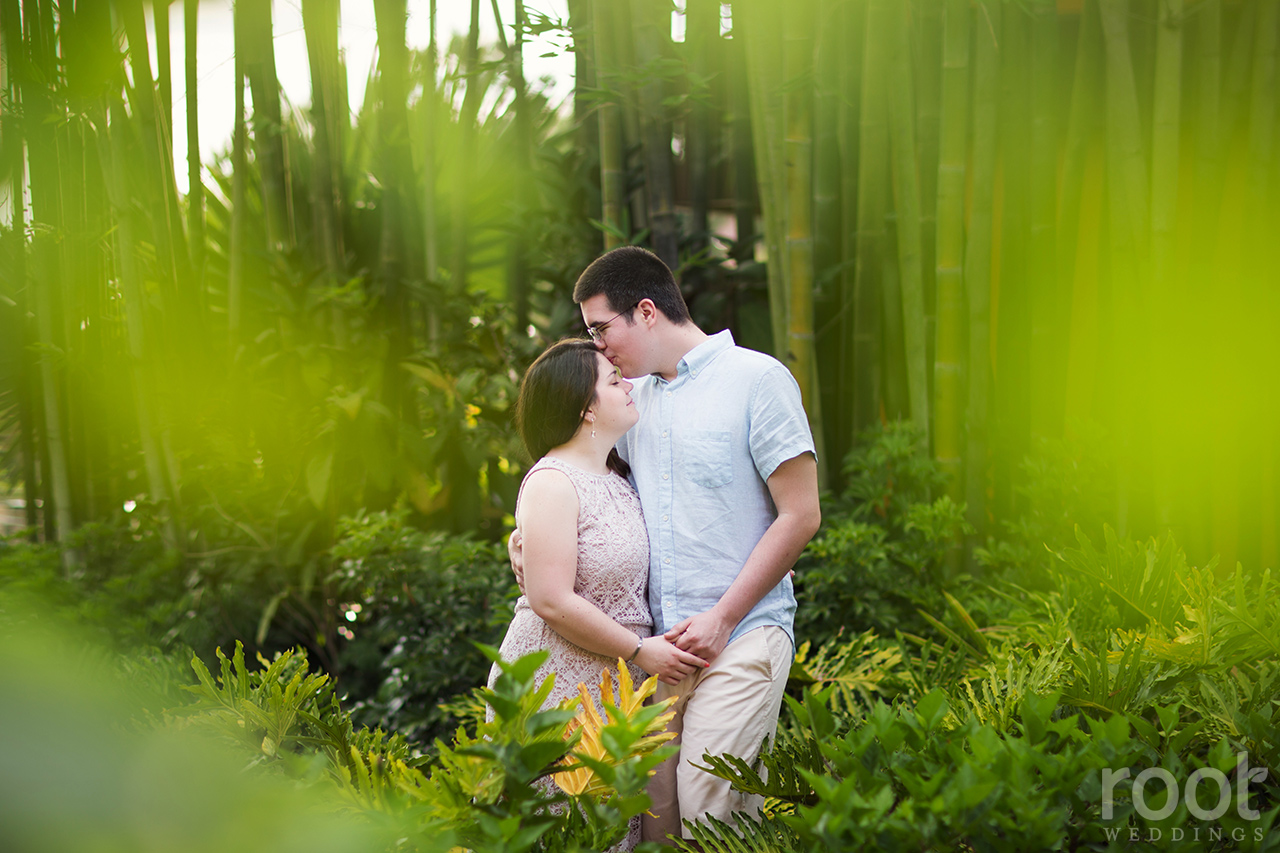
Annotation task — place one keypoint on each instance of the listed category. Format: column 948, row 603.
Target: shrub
column 879, row 556
column 413, row 605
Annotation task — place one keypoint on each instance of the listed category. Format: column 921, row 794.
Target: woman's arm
column 549, row 525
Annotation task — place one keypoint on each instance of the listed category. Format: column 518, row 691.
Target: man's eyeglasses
column 596, row 330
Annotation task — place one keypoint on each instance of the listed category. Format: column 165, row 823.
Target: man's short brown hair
column 629, row 274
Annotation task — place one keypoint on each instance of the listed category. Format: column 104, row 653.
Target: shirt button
column 668, row 393
column 664, row 518
column 667, row 560
column 664, row 435
column 665, row 477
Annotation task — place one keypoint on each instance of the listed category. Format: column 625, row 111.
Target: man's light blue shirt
column 700, row 456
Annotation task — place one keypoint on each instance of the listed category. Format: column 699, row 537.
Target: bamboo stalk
column 873, row 192
column 612, row 178
column 924, row 28
column 763, row 46
column 458, row 219
column 702, row 36
column 1082, row 127
column 1128, row 196
column 12, row 51
column 519, row 286
column 977, row 266
column 195, row 181
column 42, row 116
column 655, row 131
column 828, row 50
column 115, row 158
column 1010, row 292
column 1047, row 366
column 828, row 296
column 164, row 62
column 239, row 215
column 851, row 22
column 1165, row 132
column 798, row 159
column 268, row 140
column 906, row 195
column 948, row 366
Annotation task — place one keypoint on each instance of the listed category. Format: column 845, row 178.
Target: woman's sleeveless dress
column 613, row 574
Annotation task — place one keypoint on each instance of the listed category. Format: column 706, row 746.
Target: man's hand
column 705, row 634
column 515, row 551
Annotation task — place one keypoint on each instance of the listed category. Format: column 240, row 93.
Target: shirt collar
column 704, row 353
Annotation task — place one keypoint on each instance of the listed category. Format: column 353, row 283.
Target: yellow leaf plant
column 579, row 779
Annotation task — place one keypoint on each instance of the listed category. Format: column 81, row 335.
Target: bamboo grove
column 1011, row 222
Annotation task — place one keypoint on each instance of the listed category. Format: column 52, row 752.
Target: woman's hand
column 671, row 664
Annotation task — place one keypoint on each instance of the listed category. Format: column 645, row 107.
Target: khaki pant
column 729, row 707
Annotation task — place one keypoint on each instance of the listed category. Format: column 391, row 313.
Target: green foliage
column 879, row 556
column 919, row 778
column 412, row 606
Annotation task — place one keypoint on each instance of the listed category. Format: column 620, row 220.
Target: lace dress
column 613, row 574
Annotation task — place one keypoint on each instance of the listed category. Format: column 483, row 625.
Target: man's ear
column 648, row 311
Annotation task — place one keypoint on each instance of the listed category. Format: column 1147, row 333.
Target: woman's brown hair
column 555, row 394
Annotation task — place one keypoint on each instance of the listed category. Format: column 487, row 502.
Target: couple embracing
column 660, row 522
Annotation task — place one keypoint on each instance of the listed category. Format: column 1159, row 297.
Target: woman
column 586, row 552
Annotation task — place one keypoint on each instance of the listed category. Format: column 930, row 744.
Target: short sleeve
column 778, row 427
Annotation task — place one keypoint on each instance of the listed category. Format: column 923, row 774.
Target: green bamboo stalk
column 320, row 27
column 12, row 50
column 798, row 176
column 519, row 287
column 115, row 157
column 852, row 18
column 977, row 263
column 612, row 177
column 925, row 33
column 655, row 131
column 1128, row 197
column 744, row 170
column 42, row 116
column 948, row 366
column 906, row 195
column 623, row 84
column 164, row 62
column 268, row 139
column 702, row 36
column 1127, row 161
column 829, row 51
column 1082, row 127
column 159, row 183
column 829, row 48
column 1165, row 132
column 458, row 218
column 195, row 181
column 1205, row 91
column 1010, row 293
column 431, row 105
column 872, row 242
column 1047, row 365
column 239, row 177
column 761, row 31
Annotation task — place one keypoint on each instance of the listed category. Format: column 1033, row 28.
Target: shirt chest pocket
column 708, row 457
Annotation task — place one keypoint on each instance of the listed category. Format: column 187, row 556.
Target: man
column 724, row 463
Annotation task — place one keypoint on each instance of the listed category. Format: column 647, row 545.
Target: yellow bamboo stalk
column 798, row 148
